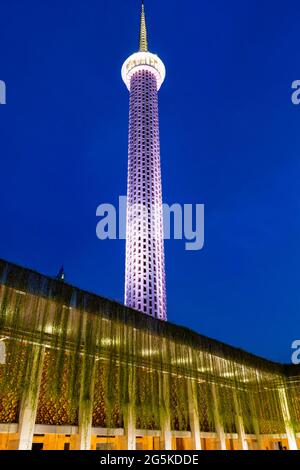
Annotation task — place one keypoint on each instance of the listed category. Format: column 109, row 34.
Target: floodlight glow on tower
column 145, row 287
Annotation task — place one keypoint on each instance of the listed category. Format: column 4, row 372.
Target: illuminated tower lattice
column 145, row 289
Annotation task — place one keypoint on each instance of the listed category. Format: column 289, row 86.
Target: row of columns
column 29, row 403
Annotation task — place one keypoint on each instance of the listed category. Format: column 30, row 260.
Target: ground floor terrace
column 67, row 438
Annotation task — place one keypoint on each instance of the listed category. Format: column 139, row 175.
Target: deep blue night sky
column 229, row 139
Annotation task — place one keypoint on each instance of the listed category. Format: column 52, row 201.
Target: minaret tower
column 145, row 288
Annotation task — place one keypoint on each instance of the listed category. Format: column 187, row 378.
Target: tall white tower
column 145, row 287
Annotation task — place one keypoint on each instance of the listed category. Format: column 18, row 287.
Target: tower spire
column 143, row 31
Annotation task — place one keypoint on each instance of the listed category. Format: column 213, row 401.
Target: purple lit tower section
column 145, row 287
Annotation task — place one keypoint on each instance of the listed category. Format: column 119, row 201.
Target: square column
column 165, row 419
column 255, row 422
column 243, row 445
column 218, row 421
column 85, row 415
column 194, row 416
column 291, row 437
column 130, row 428
column 30, row 398
column 129, row 415
column 166, row 434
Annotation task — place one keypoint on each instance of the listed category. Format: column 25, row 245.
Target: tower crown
column 143, row 59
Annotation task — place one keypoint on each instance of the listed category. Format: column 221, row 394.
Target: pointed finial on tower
column 143, row 31
column 61, row 274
